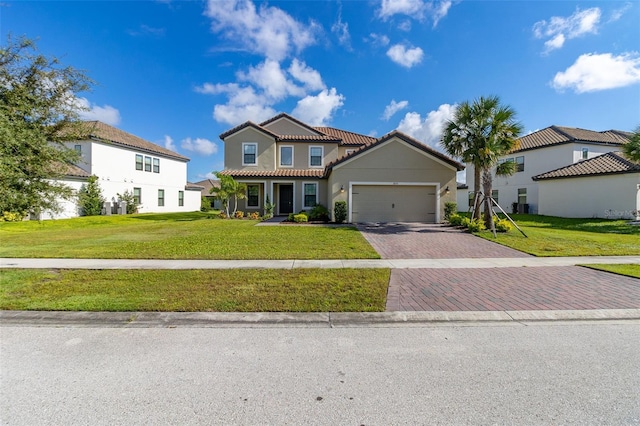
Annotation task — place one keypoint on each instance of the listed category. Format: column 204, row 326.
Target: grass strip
column 630, row 270
column 235, row 290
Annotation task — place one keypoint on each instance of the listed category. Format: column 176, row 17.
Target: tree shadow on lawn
column 175, row 217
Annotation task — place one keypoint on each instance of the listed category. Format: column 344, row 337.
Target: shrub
column 340, row 211
column 290, row 217
column 268, row 208
column 319, row 212
column 127, row 196
column 475, row 225
column 300, row 217
column 11, row 217
column 502, row 225
column 239, row 214
column 455, row 219
column 205, row 204
column 222, row 215
column 450, row 209
column 90, row 197
column 254, row 216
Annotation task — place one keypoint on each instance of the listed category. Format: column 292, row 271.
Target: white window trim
column 247, row 203
column 242, row 153
column 321, row 156
column 303, row 195
column 292, row 155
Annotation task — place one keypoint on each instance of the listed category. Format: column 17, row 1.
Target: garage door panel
column 393, row 203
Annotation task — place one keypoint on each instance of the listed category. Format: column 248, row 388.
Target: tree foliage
column 38, row 113
column 90, row 197
column 631, row 149
column 480, row 133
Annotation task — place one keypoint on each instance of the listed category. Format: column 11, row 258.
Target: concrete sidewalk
column 20, row 263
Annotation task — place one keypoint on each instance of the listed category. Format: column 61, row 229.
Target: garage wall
column 398, row 163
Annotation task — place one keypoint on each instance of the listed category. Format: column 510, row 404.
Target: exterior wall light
column 446, row 190
column 341, row 188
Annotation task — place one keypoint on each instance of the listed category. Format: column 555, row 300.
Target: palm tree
column 224, row 191
column 480, row 133
column 239, row 191
column 631, row 149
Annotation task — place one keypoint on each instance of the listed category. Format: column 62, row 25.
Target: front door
column 285, row 199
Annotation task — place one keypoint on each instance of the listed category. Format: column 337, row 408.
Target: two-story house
column 156, row 176
column 543, row 151
column 389, row 179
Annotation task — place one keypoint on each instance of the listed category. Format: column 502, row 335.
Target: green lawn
column 238, row 290
column 632, row 270
column 178, row 236
column 553, row 236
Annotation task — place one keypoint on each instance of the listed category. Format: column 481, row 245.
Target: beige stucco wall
column 301, row 154
column 233, row 150
column 612, row 196
column 271, row 187
column 393, row 161
column 284, row 126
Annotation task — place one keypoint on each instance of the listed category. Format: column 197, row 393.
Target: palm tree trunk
column 476, row 190
column 487, row 187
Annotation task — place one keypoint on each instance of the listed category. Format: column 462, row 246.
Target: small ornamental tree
column 340, row 211
column 631, row 149
column 90, row 197
column 128, row 197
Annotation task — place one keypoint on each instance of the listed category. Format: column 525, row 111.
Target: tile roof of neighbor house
column 314, row 173
column 107, row 133
column 207, row 184
column 557, row 135
column 193, row 186
column 408, row 139
column 605, row 164
column 71, row 170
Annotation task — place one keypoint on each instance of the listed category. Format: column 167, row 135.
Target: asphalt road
column 540, row 373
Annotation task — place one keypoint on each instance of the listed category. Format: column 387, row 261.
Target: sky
column 180, row 73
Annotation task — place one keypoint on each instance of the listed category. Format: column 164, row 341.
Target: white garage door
column 393, row 203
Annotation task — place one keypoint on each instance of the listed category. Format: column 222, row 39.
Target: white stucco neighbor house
column 156, row 176
column 548, row 150
column 394, row 178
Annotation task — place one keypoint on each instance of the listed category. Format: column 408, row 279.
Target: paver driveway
column 488, row 289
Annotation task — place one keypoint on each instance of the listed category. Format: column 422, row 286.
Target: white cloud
column 107, row 114
column 617, row 14
column 267, row 31
column 558, row 29
column 306, row 75
column 404, row 56
column 317, row 110
column 392, row 108
column 341, row 30
column 378, row 39
column 430, row 129
column 271, row 80
column 416, row 9
column 199, row 145
column 593, row 72
column 168, row 143
column 237, row 114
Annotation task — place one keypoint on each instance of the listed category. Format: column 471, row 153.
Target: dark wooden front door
column 286, row 199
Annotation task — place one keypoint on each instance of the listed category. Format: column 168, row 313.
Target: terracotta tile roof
column 311, row 173
column 347, row 138
column 308, row 138
column 404, row 137
column 605, row 164
column 107, row 133
column 556, row 135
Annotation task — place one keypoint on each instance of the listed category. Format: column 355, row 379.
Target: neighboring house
column 75, row 178
column 605, row 186
column 207, row 185
column 389, row 179
column 156, row 176
column 548, row 149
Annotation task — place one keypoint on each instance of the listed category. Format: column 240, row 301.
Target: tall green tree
column 90, row 197
column 631, row 149
column 38, row 114
column 480, row 133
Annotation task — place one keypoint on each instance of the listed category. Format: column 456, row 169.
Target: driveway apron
column 487, row 289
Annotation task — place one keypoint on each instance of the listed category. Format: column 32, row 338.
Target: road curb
column 297, row 319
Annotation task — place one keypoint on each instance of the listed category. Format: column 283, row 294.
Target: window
column 471, row 198
column 310, row 195
column 494, row 195
column 137, row 196
column 585, row 153
column 315, row 156
column 156, row 165
column 78, row 148
column 249, row 156
column 519, row 164
column 147, row 164
column 138, row 162
column 160, row 197
column 286, row 156
column 181, row 198
column 522, row 195
column 253, row 193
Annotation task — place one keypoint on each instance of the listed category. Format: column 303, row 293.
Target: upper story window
column 249, row 154
column 156, row 165
column 138, row 162
column 78, row 148
column 520, row 164
column 315, row 156
column 585, row 153
column 147, row 164
column 286, row 156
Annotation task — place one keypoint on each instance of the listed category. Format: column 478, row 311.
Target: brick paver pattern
column 504, row 289
column 431, row 241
